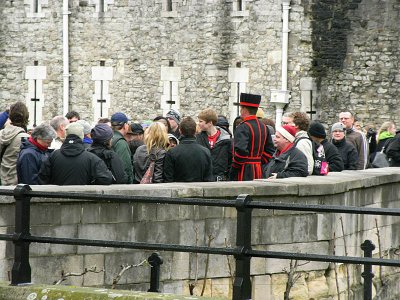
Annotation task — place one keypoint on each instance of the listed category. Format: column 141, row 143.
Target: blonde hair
column 384, row 127
column 156, row 136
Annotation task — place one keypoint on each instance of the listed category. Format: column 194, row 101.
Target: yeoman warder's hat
column 249, row 100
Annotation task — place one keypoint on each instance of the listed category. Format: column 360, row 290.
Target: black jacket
column 292, row 163
column 221, row 153
column 333, row 157
column 348, row 153
column 73, row 165
column 112, row 161
column 188, row 162
column 393, row 151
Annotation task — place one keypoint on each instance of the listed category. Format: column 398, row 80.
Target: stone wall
column 137, row 38
column 348, row 48
column 178, row 224
column 356, row 59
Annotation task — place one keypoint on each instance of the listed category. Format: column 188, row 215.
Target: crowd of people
column 70, row 151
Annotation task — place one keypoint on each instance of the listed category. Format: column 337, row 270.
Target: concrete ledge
column 35, row 291
column 334, row 183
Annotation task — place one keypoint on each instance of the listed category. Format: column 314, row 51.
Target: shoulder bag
column 148, row 175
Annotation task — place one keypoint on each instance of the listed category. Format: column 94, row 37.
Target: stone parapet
column 273, row 230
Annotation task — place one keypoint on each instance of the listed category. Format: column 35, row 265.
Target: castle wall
column 137, row 38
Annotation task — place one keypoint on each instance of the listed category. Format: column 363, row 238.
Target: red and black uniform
column 249, row 147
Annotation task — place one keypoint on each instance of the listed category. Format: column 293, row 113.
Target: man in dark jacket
column 218, row 141
column 101, row 135
column 328, row 153
column 393, row 151
column 188, row 161
column 288, row 161
column 119, row 123
column 252, row 145
column 346, row 150
column 72, row 164
column 34, row 150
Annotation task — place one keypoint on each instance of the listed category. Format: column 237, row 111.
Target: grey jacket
column 10, row 139
column 141, row 162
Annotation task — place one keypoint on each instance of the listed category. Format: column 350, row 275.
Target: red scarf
column 278, row 153
column 37, row 145
column 212, row 139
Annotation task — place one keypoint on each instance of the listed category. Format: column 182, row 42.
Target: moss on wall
column 48, row 292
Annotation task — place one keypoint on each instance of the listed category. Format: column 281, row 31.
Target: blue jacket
column 29, row 162
column 3, row 118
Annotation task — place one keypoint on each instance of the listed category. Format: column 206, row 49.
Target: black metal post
column 367, row 247
column 155, row 260
column 242, row 283
column 35, row 100
column 238, row 100
column 101, row 100
column 21, row 271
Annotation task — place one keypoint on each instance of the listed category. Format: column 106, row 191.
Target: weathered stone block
column 116, row 212
column 47, row 271
column 180, row 265
column 278, row 265
column 7, row 217
column 208, row 212
column 188, row 235
column 90, row 213
column 94, row 262
column 71, row 213
column 262, row 288
column 146, row 212
column 63, row 231
column 221, row 230
column 45, row 214
column 96, row 232
column 113, row 263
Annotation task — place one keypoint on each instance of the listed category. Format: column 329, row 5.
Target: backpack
column 321, row 165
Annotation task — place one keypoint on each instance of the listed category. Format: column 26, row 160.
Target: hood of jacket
column 72, row 146
column 25, row 144
column 301, row 134
column 224, row 134
column 9, row 133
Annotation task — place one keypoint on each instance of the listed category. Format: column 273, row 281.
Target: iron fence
column 243, row 252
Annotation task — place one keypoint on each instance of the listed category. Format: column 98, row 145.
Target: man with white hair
column 356, row 138
column 287, row 161
column 59, row 123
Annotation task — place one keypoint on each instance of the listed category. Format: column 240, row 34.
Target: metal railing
column 243, row 252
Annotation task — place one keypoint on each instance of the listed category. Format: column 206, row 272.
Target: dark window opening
column 169, row 5
column 240, row 5
column 101, row 6
column 35, row 6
